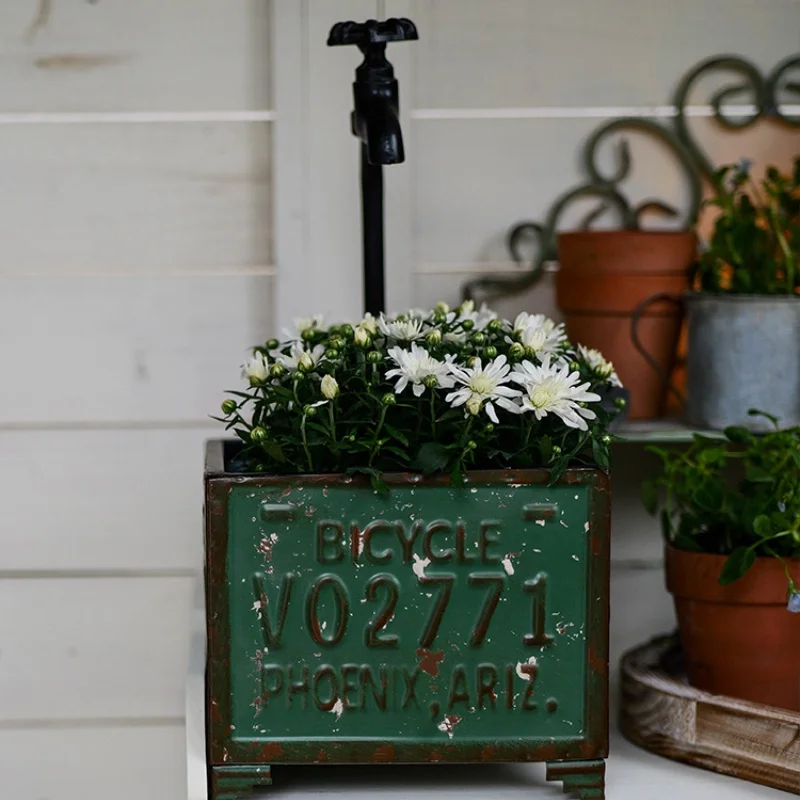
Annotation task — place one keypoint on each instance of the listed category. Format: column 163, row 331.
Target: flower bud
column 229, row 406
column 471, row 445
column 258, row 435
column 495, row 326
column 467, row 307
column 490, row 351
column 439, row 317
column 431, row 381
column 488, row 428
column 256, row 370
column 442, row 308
column 351, row 437
column 361, row 337
column 336, row 341
column 347, row 331
column 620, row 402
column 473, row 406
column 334, row 330
column 310, row 411
column 516, row 352
column 467, row 324
column 272, row 344
column 574, row 366
column 329, row 387
column 305, row 363
column 388, row 399
column 530, row 353
column 332, row 353
column 276, row 370
column 433, row 337
column 478, row 338
column 260, row 468
column 308, row 334
column 298, row 376
column 374, row 357
column 556, row 450
column 606, row 439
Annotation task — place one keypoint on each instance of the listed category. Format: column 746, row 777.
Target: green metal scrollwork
column 762, row 92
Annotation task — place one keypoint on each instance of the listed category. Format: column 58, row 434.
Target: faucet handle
column 371, row 32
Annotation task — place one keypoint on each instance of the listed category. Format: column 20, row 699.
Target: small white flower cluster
column 456, row 350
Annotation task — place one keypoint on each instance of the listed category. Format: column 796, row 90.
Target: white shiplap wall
column 136, row 266
column 180, row 181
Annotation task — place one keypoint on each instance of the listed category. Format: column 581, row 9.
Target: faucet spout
column 376, row 123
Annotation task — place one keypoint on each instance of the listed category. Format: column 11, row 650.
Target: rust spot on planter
column 271, row 750
column 429, row 662
column 384, row 753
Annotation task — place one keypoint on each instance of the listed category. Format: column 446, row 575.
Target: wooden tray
column 660, row 712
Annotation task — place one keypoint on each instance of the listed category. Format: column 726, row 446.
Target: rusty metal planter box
column 427, row 624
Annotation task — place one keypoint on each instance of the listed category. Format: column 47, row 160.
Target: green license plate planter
column 428, row 624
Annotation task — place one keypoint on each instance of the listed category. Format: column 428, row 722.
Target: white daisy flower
column 302, row 324
column 539, row 333
column 329, row 387
column 481, row 387
column 552, row 389
column 299, row 355
column 597, row 363
column 419, row 368
column 401, row 330
column 256, row 370
column 369, row 324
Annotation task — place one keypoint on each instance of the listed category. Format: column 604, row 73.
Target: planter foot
column 585, row 780
column 236, row 783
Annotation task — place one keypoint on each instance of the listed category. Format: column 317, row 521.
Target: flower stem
column 374, row 450
column 433, row 416
column 305, row 443
column 332, row 421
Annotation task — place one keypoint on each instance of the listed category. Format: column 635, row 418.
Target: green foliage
column 738, row 497
column 755, row 247
column 329, row 401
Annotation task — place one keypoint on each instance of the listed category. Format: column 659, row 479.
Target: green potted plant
column 393, row 484
column 730, row 517
column 744, row 322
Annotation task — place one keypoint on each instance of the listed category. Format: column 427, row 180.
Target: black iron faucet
column 375, row 121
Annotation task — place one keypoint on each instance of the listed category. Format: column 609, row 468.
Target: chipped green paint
column 432, row 623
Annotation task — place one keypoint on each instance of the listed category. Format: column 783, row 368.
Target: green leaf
column 711, row 456
column 649, row 496
column 401, row 454
column 738, row 435
column 762, row 526
column 738, row 562
column 756, row 474
column 600, row 453
column 666, row 525
column 708, row 496
column 432, row 457
column 375, row 478
column 397, row 434
column 754, row 412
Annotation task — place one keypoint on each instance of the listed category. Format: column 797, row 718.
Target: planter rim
column 765, row 299
column 614, row 232
column 694, row 577
column 215, row 467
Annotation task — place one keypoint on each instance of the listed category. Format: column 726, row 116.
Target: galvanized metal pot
column 430, row 623
column 744, row 352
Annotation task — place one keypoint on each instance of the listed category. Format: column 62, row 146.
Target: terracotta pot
column 603, row 277
column 738, row 640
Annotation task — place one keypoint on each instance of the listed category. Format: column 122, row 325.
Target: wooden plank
column 115, row 499
column 71, row 55
column 665, row 715
column 523, row 53
column 517, row 168
column 131, row 349
column 126, row 763
column 93, row 648
column 132, row 198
